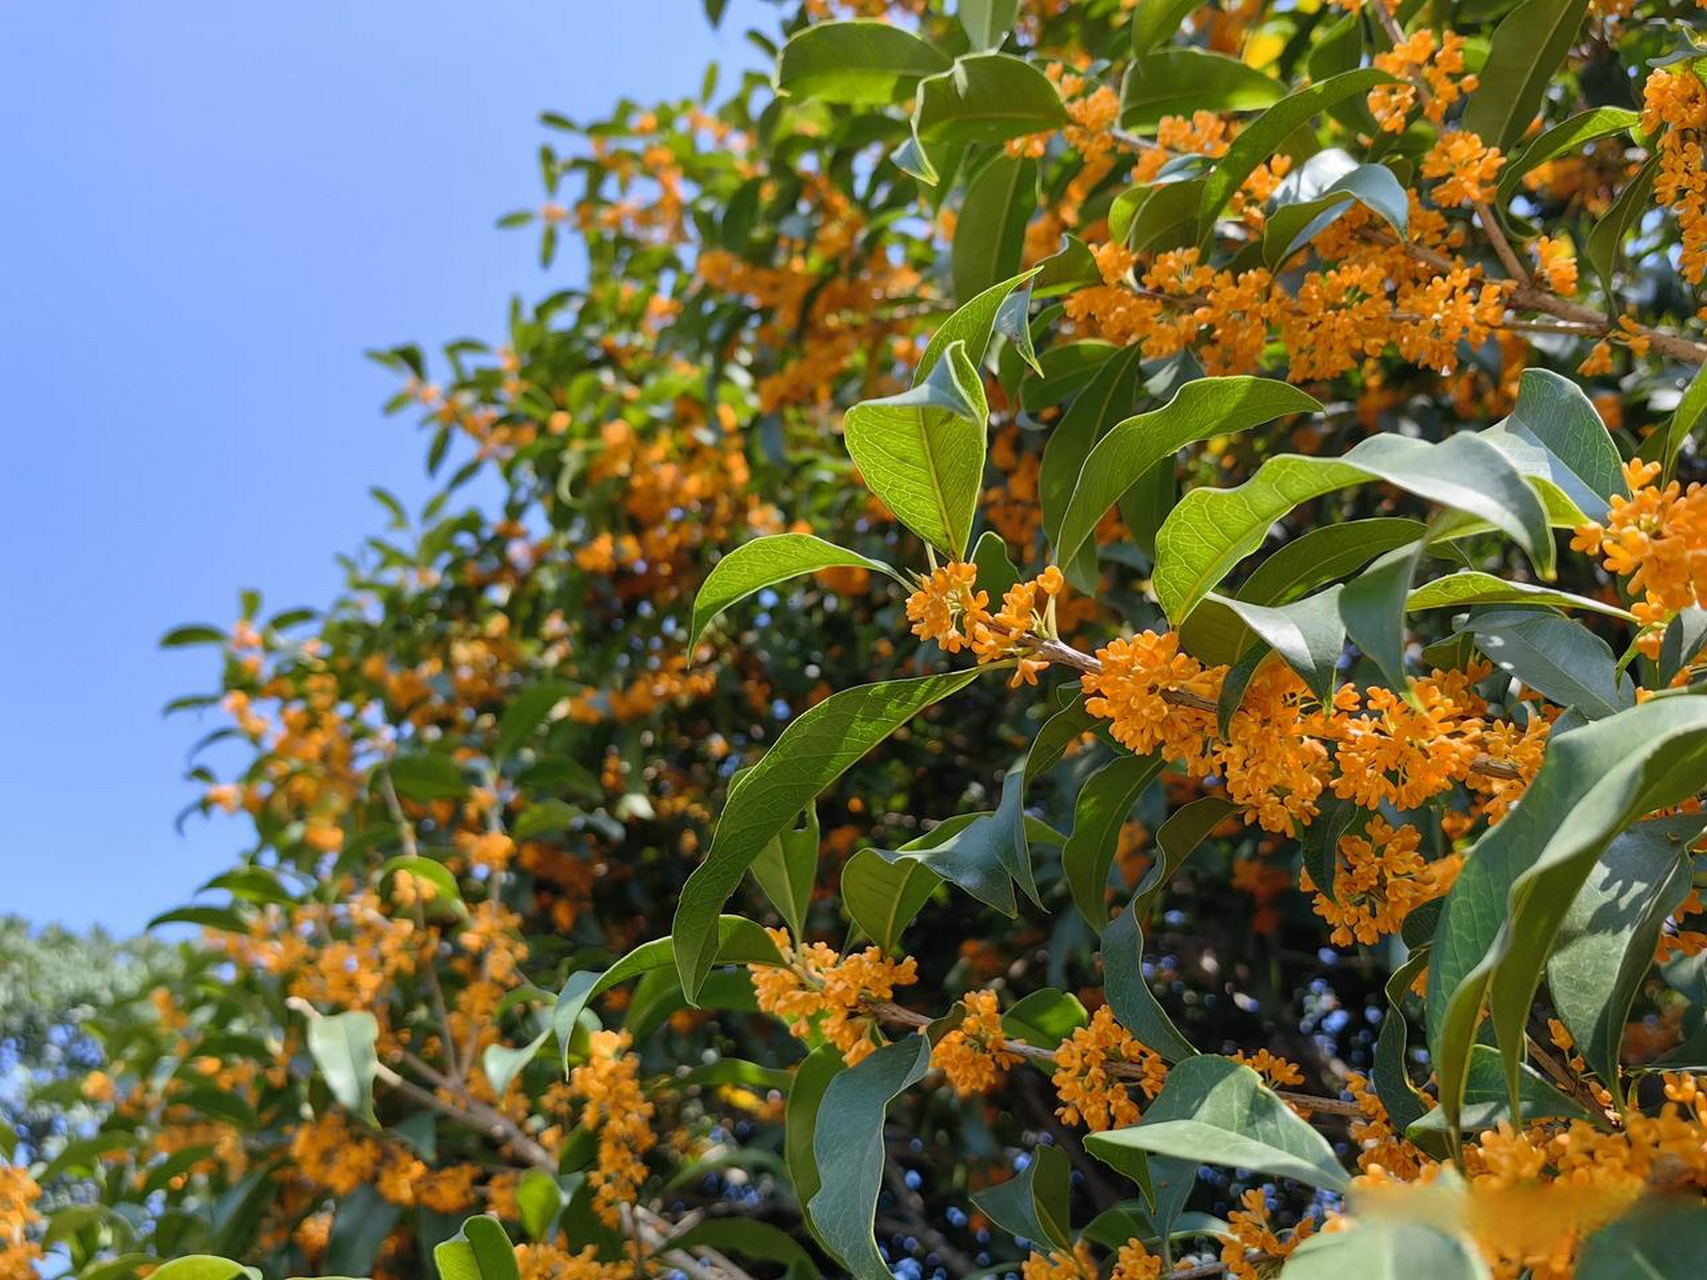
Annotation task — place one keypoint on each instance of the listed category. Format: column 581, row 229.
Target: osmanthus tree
column 1086, row 662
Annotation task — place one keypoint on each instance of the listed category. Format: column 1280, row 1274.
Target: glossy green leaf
column 786, row 868
column 1606, row 240
column 812, row 752
column 502, row 1063
column 1201, row 409
column 984, row 97
column 1135, row 1005
column 1034, row 1204
column 1553, row 414
column 864, row 63
column 1501, row 918
column 1107, row 400
column 986, row 22
column 764, row 562
column 1664, row 445
column 204, row 1266
column 1473, row 587
column 1308, row 634
column 1104, row 802
column 849, row 1139
column 1179, row 81
column 800, row 1123
column 342, row 1046
column 1265, row 137
column 882, row 897
column 989, row 235
column 1528, row 47
column 540, row 1200
column 1155, row 22
column 1555, row 656
column 1211, row 530
column 480, row 1251
column 1386, row 1249
column 1663, row 1238
column 1568, row 136
column 1372, row 606
column 1045, row 1018
column 922, row 451
column 1486, row 1102
column 1607, row 937
column 1216, row 1111
column 1292, row 226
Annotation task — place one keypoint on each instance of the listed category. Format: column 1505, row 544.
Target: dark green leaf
column 1103, row 805
column 865, row 63
column 1129, row 995
column 1528, row 47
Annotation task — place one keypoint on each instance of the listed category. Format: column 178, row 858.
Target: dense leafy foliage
column 1087, row 661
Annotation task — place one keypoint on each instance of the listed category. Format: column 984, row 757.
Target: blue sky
column 209, row 211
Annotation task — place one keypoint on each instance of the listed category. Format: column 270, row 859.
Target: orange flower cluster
column 19, row 1220
column 1370, row 293
column 1135, row 1262
column 1674, row 111
column 548, row 1262
column 1077, row 1265
column 1379, row 879
column 1090, row 1094
column 1437, row 66
column 1249, row 1231
column 814, row 983
column 948, row 608
column 974, row 1055
column 614, row 1104
column 1657, row 539
column 1463, row 168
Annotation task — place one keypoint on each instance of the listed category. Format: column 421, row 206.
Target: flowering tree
column 1087, row 663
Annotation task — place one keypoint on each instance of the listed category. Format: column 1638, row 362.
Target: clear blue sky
column 208, row 211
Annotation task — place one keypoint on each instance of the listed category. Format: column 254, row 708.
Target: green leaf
column 984, row 97
column 1203, row 408
column 1185, row 829
column 1555, row 656
column 1607, row 938
column 749, row 1238
column 922, row 451
column 1554, row 415
column 1059, row 732
column 862, row 63
column 502, row 1064
column 987, row 22
column 972, row 323
column 786, row 868
column 1308, row 634
column 1292, row 226
column 1392, row 1077
column 1569, row 135
column 1528, row 47
column 1108, row 399
column 1045, row 1018
column 989, row 236
column 540, row 1200
column 1606, row 240
column 1135, row 1005
column 739, row 941
column 1473, row 587
column 427, row 775
column 1216, row 1111
column 480, row 1251
column 1372, row 606
column 181, row 637
column 360, row 1224
column 1103, row 805
column 975, row 851
column 1501, row 917
column 849, row 1139
column 447, row 898
column 800, row 1122
column 764, row 562
column 203, row 1266
column 1385, row 1249
column 882, row 897
column 1156, row 22
column 1486, row 1102
column 1035, row 1204
column 1664, row 446
column 342, row 1046
column 811, row 753
column 1176, row 81
column 1663, row 1238
column 1325, row 554
column 1211, row 530
column 1266, row 136
column 996, row 572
